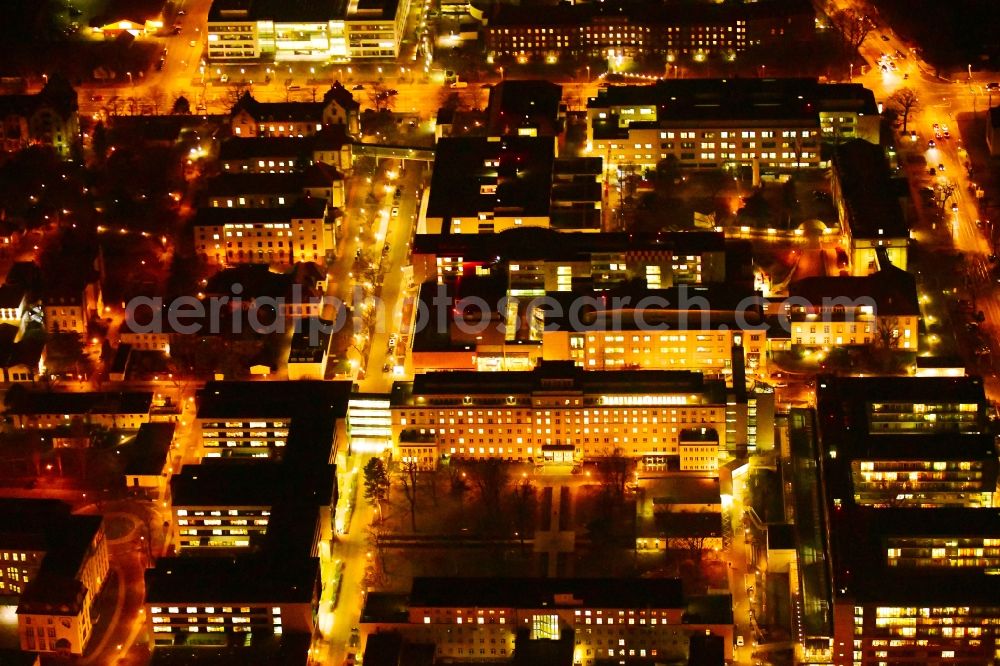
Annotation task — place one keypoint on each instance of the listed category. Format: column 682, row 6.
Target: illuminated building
column 868, row 208
column 226, row 601
column 275, row 31
column 561, row 413
column 251, row 118
column 770, row 124
column 877, row 310
column 302, row 231
column 476, row 620
column 118, row 411
column 275, row 190
column 148, row 466
column 253, row 523
column 254, row 420
column 917, row 441
column 488, row 184
column 283, row 154
column 536, row 261
column 629, row 328
column 679, row 32
column 54, row 563
column 914, row 545
column 309, row 350
column 47, row 118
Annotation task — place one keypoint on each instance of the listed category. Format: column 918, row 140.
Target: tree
column 64, row 354
column 904, row 102
column 491, row 478
column 854, row 26
column 408, row 482
column 524, row 503
column 376, row 483
column 887, row 332
column 614, row 470
column 381, row 96
column 156, row 99
column 182, row 106
column 99, row 142
column 235, row 92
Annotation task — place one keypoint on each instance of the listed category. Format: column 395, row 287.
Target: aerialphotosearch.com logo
column 237, row 314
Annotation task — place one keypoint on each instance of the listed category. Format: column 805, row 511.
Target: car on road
column 193, row 43
column 906, row 75
column 460, row 84
column 941, row 167
column 358, row 87
column 351, row 659
column 954, row 207
column 159, row 65
column 885, row 38
column 394, row 212
column 931, row 144
column 739, row 641
column 392, row 342
column 993, row 85
column 224, row 78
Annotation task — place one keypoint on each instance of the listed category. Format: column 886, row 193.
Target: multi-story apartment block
column 269, row 31
column 692, row 31
column 486, row 184
column 47, row 118
column 561, row 413
column 870, row 214
column 878, row 310
column 769, row 124
column 690, row 328
column 250, row 118
column 284, row 235
column 274, row 190
column 118, row 411
column 240, row 420
column 54, row 563
column 284, row 154
column 476, row 620
column 221, row 600
column 537, row 261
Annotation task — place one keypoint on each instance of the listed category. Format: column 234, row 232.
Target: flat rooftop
column 532, row 593
column 868, row 191
column 50, row 402
column 233, row 399
column 247, row 579
column 147, row 453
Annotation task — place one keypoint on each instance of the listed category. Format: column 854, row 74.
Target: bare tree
column 887, row 332
column 524, row 502
column 156, row 99
column 614, row 469
column 854, row 26
column 381, row 96
column 491, row 478
column 235, row 92
column 945, row 192
column 408, row 482
column 904, row 102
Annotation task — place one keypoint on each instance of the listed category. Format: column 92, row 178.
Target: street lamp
column 501, row 72
column 588, row 73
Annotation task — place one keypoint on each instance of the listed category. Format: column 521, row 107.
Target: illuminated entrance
column 558, row 453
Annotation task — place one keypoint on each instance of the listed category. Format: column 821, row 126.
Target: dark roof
column 706, row 650
column 147, row 454
column 686, row 524
column 533, row 593
column 343, row 97
column 683, row 489
column 709, row 609
column 555, row 375
column 893, row 290
column 552, row 245
column 281, row 111
column 385, row 607
column 378, row 10
column 526, row 103
column 291, row 650
column 304, row 208
column 291, row 182
column 780, row 536
column 254, row 483
column 26, row 351
column 247, row 579
column 52, row 595
column 523, row 178
column 50, row 402
column 868, row 192
column 240, row 148
column 57, row 95
column 221, row 400
column 258, row 281
column 679, row 14
column 711, row 100
column 861, row 570
column 311, row 341
column 11, row 295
